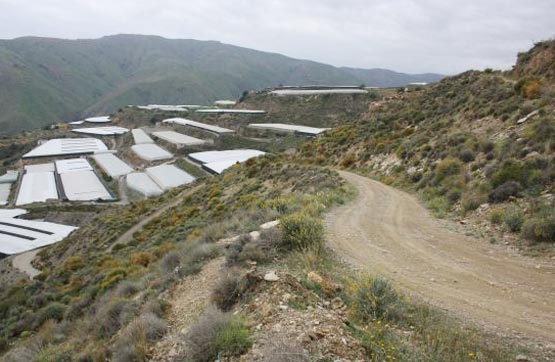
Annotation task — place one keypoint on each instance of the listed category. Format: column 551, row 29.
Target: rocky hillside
column 478, row 144
column 46, row 80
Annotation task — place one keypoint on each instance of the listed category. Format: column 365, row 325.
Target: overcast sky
column 443, row 36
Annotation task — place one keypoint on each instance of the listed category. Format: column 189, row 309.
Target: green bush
column 448, row 167
column 301, row 231
column 496, row 216
column 511, row 170
column 513, row 218
column 54, row 311
column 214, row 335
column 540, row 228
column 375, row 299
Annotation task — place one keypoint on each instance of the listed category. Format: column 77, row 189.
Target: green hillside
column 45, row 80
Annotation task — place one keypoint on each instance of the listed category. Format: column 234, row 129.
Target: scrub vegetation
column 473, row 139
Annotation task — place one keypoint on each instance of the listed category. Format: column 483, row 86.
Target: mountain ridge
column 45, row 80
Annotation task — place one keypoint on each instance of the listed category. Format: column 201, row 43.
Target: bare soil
column 387, row 232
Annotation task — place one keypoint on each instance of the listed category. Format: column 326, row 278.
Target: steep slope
column 43, row 80
column 477, row 145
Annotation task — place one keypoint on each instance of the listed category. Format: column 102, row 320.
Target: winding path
column 387, row 232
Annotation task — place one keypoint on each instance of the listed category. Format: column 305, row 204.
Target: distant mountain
column 43, row 80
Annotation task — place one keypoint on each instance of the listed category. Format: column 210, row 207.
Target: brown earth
column 387, row 232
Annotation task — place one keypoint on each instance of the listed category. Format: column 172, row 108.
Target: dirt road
column 387, row 232
column 22, row 262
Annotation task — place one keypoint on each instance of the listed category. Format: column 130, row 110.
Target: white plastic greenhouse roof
column 101, row 119
column 169, row 176
column 151, row 152
column 219, row 166
column 67, row 146
column 225, row 102
column 219, row 161
column 140, row 136
column 111, row 164
column 204, row 126
column 76, row 123
column 73, row 165
column 5, row 190
column 303, row 92
column 142, row 183
column 165, row 107
column 41, row 167
column 17, row 235
column 9, row 177
column 178, row 138
column 11, row 213
column 37, row 187
column 289, row 128
column 229, row 155
column 83, row 186
column 102, row 131
column 237, row 111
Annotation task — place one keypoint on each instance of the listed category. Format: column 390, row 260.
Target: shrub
column 511, row 170
column 216, row 334
column 54, row 311
column 471, row 201
column 540, row 228
column 375, row 299
column 467, row 155
column 132, row 345
column 496, row 216
column 229, row 289
column 513, row 218
column 505, row 191
column 112, row 315
column 301, row 231
column 127, row 288
column 448, row 167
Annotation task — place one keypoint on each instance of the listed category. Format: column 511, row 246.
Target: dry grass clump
column 133, row 343
column 229, row 290
column 216, row 335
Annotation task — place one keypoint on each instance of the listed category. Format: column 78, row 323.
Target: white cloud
column 405, row 35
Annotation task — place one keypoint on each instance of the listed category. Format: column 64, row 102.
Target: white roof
column 37, row 187
column 225, row 102
column 5, row 190
column 9, row 177
column 17, row 235
column 169, row 176
column 302, row 92
column 11, row 213
column 288, row 128
column 140, row 136
column 219, row 161
column 230, row 155
column 219, row 166
column 83, row 186
column 67, row 146
column 178, row 138
column 238, row 111
column 142, row 183
column 73, row 165
column 76, row 123
column 112, row 165
column 165, row 107
column 41, row 167
column 204, row 126
column 102, row 131
column 151, row 152
column 101, row 119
